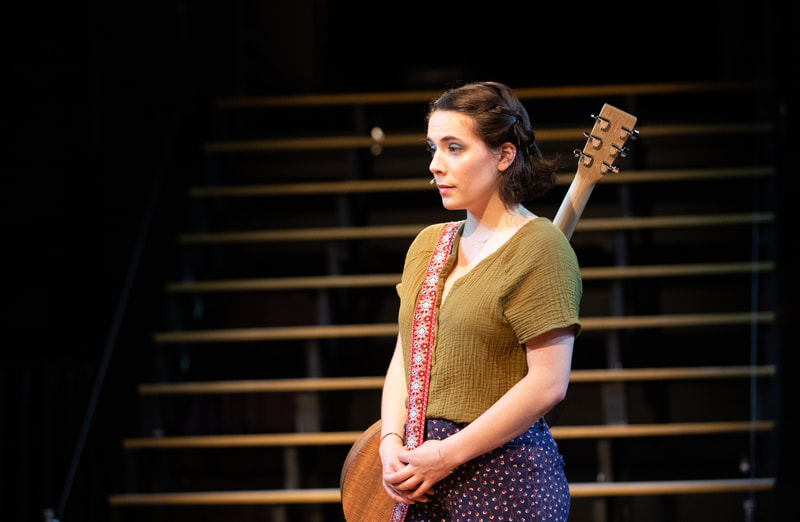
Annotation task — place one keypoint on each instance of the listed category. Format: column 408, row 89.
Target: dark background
column 107, row 106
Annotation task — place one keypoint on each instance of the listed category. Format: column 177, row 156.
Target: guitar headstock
column 606, row 143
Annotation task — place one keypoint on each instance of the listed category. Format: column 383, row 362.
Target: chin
column 449, row 204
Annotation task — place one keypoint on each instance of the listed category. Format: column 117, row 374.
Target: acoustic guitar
column 363, row 496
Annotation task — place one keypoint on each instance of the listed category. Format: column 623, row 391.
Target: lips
column 443, row 189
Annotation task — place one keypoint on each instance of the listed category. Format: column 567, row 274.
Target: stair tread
column 376, row 382
column 377, row 280
column 274, row 333
column 333, row 495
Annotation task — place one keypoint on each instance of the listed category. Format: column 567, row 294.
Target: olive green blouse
column 529, row 285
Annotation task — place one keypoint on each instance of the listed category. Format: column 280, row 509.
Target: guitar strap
column 421, row 349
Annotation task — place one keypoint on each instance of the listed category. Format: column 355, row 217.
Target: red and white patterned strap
column 421, row 352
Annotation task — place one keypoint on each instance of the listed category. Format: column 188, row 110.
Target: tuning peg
column 625, row 133
column 596, row 142
column 605, row 167
column 622, row 152
column 604, row 123
column 586, row 158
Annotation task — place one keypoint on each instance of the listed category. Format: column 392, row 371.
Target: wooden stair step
column 278, row 333
column 286, row 496
column 670, row 487
column 286, row 333
column 389, row 280
column 419, row 140
column 660, row 374
column 303, row 234
column 333, row 495
column 349, row 437
column 243, row 441
column 422, row 184
column 659, row 430
column 675, row 270
column 376, row 383
column 525, row 93
column 409, row 231
column 263, row 386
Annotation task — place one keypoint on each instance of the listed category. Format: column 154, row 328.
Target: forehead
column 450, row 124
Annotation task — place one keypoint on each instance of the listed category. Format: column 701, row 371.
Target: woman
column 507, row 316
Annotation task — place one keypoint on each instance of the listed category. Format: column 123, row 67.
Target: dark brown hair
column 499, row 117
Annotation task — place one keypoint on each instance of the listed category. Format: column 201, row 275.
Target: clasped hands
column 409, row 475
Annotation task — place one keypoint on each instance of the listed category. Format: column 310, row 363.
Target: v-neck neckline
column 451, row 264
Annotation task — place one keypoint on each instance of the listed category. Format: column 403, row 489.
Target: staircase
column 281, row 318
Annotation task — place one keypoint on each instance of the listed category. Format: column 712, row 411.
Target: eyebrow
column 444, row 138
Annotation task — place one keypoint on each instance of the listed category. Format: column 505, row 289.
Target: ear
column 507, row 154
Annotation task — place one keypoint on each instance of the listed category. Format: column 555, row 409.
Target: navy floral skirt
column 522, row 480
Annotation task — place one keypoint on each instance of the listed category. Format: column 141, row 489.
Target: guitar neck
column 572, row 207
column 605, row 143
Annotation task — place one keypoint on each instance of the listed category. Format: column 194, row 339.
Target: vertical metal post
column 615, row 406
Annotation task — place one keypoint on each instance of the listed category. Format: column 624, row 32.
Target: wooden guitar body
column 363, row 496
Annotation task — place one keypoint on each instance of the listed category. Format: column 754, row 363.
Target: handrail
column 390, row 280
column 422, row 184
column 288, row 333
column 569, row 91
column 409, row 231
column 376, row 383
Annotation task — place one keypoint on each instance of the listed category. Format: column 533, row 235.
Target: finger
column 395, row 495
column 398, row 476
column 421, row 498
column 422, row 491
column 411, row 484
column 398, row 499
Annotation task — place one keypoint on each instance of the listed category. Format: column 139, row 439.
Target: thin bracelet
column 393, row 433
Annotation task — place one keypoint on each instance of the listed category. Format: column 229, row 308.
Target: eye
column 431, row 148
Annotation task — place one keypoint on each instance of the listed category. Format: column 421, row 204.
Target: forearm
column 509, row 417
column 393, row 399
column 543, row 387
column 393, row 417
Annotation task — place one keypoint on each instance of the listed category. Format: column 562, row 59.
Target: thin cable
column 750, row 503
column 111, row 342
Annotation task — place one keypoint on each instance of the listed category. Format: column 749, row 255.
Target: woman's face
column 465, row 169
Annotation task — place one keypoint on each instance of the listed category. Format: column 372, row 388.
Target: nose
column 435, row 165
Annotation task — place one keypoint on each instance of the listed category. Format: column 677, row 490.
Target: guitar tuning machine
column 622, row 152
column 603, row 122
column 596, row 142
column 605, row 167
column 626, row 133
column 587, row 159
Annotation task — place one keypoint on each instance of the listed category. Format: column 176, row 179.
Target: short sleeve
column 544, row 290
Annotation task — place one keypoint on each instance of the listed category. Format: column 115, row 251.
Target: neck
column 482, row 226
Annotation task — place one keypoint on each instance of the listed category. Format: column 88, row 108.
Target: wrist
column 393, row 434
column 448, row 454
column 389, row 445
column 390, row 439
